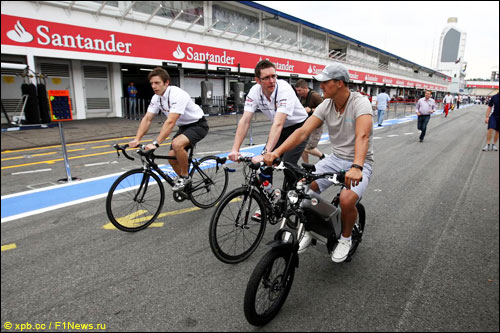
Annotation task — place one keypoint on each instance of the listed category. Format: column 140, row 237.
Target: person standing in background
column 382, row 102
column 132, row 97
column 310, row 99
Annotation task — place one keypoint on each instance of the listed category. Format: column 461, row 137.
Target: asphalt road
column 428, row 261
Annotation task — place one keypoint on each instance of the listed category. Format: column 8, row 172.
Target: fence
column 219, row 105
column 401, row 109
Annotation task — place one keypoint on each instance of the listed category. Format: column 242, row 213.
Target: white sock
column 348, row 238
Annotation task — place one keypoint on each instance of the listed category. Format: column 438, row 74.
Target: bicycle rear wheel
column 233, row 235
column 134, row 200
column 209, row 183
column 269, row 286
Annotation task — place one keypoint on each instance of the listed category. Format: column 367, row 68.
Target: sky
column 409, row 29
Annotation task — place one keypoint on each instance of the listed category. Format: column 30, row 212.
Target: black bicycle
column 233, row 234
column 272, row 278
column 136, row 198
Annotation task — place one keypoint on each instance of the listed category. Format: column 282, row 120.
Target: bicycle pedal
column 180, row 196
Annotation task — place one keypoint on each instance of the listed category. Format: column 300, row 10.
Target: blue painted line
column 22, row 204
column 29, row 203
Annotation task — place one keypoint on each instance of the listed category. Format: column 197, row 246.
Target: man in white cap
column 348, row 116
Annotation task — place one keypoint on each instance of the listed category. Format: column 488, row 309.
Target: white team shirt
column 448, row 99
column 176, row 100
column 283, row 99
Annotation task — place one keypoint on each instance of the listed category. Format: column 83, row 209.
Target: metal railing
column 218, row 105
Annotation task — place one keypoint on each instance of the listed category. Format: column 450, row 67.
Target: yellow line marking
column 9, row 247
column 135, row 218
column 11, row 158
column 35, row 155
column 69, row 144
column 72, row 150
column 70, row 158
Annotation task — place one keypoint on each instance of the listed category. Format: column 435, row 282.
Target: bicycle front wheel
column 269, row 286
column 134, row 200
column 233, row 235
column 209, row 182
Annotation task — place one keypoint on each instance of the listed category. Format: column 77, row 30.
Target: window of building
column 233, row 21
column 281, row 32
column 313, row 41
column 170, row 9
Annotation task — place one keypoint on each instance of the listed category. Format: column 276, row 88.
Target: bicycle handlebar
column 122, row 148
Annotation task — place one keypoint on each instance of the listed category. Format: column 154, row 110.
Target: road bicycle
column 136, row 198
column 233, row 234
column 272, row 278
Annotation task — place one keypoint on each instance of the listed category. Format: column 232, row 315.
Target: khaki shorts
column 332, row 163
column 314, row 138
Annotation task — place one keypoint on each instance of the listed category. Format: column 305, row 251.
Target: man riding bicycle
column 278, row 101
column 348, row 116
column 180, row 110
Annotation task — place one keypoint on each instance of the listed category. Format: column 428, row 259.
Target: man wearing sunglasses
column 348, row 116
column 180, row 110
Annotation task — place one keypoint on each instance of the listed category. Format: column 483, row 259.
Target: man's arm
column 488, row 112
column 361, row 145
column 166, row 129
column 298, row 136
column 241, row 132
column 417, row 108
column 143, row 129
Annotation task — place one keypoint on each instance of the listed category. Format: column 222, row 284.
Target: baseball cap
column 333, row 72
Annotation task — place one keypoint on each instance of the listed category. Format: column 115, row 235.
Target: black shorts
column 195, row 132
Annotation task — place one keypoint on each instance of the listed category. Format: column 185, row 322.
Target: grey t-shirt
column 341, row 127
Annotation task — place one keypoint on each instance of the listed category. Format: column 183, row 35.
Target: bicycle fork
column 144, row 185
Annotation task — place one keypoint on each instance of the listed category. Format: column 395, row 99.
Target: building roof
column 331, row 32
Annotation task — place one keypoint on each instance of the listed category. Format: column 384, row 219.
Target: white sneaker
column 342, row 250
column 494, row 148
column 181, row 184
column 486, row 148
column 305, row 242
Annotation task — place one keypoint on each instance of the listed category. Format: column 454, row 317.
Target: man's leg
column 178, row 146
column 348, row 201
column 305, row 156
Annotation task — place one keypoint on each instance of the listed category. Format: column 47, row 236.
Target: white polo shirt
column 283, row 99
column 176, row 100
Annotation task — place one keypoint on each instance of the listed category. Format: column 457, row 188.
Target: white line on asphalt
column 392, row 135
column 33, row 171
column 408, row 133
column 94, row 164
column 376, row 137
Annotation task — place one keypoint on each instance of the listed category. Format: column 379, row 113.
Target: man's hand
column 270, row 157
column 486, row 121
column 418, row 113
column 234, row 155
column 150, row 147
column 353, row 177
column 133, row 143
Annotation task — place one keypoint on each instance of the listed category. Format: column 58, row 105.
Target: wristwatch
column 156, row 144
column 357, row 167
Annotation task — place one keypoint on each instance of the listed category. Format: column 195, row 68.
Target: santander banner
column 20, row 31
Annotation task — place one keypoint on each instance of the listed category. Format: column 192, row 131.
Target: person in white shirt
column 448, row 100
column 382, row 103
column 180, row 110
column 278, row 101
